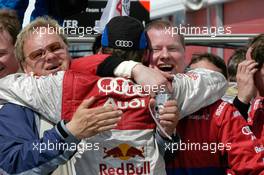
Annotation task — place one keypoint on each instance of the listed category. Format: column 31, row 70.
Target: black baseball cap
column 124, row 32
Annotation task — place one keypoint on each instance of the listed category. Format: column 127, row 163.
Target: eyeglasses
column 55, row 48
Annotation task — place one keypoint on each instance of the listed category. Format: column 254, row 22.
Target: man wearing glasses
column 43, row 51
column 23, row 133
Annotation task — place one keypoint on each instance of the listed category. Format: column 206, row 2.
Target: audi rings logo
column 119, row 86
column 123, row 43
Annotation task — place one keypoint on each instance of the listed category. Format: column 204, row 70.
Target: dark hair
column 214, row 59
column 135, row 55
column 257, row 53
column 9, row 21
column 238, row 56
column 97, row 44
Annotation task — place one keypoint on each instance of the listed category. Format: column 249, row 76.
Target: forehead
column 42, row 38
column 163, row 36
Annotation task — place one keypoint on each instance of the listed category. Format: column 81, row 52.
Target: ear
column 248, row 54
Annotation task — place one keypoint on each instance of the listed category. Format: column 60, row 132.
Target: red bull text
column 125, row 169
column 125, row 152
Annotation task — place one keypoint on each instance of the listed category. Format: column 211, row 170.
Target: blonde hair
column 162, row 25
column 39, row 22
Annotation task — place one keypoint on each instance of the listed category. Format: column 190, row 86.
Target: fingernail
column 120, row 112
column 161, row 111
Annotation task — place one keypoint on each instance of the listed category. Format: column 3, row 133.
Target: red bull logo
column 125, row 152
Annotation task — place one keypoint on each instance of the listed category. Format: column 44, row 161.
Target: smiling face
column 167, row 51
column 8, row 62
column 45, row 54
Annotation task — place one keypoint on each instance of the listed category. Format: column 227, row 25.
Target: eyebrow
column 53, row 44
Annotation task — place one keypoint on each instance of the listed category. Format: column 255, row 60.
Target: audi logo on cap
column 123, row 43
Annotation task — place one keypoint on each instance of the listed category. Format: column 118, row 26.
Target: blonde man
column 24, row 132
column 30, row 45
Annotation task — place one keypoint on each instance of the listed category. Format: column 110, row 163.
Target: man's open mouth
column 166, row 67
column 53, row 67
